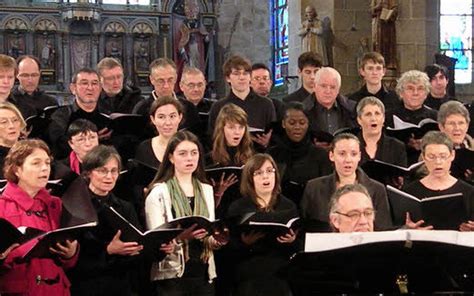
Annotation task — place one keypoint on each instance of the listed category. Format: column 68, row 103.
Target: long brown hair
column 166, row 170
column 247, row 185
column 233, row 114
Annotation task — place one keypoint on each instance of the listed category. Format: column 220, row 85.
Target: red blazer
column 42, row 212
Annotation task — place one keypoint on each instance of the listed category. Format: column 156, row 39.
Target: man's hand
column 263, row 139
column 104, row 134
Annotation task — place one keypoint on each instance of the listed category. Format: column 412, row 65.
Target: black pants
column 185, row 287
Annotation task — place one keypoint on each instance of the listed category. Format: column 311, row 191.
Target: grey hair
column 413, row 76
column 370, row 100
column 436, row 138
column 452, row 108
column 334, row 202
column 328, row 71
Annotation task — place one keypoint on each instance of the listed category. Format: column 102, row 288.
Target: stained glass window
column 456, row 36
column 280, row 40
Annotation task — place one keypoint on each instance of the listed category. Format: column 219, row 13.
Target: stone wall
column 252, row 35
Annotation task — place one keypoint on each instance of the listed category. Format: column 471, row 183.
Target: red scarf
column 74, row 163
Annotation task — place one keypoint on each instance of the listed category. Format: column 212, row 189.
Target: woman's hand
column 7, row 251
column 118, row 247
column 412, row 225
column 193, row 233
column 467, row 226
column 251, row 237
column 288, row 238
column 221, row 238
column 222, row 186
column 65, row 250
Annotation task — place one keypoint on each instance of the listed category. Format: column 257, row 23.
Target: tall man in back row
column 260, row 110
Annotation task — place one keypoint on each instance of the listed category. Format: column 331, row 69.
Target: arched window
column 456, row 36
column 280, row 40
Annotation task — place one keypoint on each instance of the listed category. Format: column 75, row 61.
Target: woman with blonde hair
column 12, row 127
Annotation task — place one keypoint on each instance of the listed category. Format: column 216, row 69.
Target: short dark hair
column 432, row 70
column 17, row 155
column 27, row 56
column 98, row 157
column 309, row 58
column 343, row 136
column 84, row 70
column 236, row 62
column 80, row 126
column 298, row 106
column 258, row 66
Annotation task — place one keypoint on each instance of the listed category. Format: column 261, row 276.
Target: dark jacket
column 318, row 192
column 30, row 105
column 389, row 150
column 96, row 272
column 389, row 98
column 347, row 109
column 298, row 96
column 123, row 102
column 298, row 163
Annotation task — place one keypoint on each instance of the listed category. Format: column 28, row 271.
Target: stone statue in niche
column 47, row 55
column 384, row 41
column 114, row 49
column 312, row 34
column 191, row 38
column 142, row 58
column 17, row 47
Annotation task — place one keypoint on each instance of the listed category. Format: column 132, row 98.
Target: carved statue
column 312, row 34
column 384, row 15
column 47, row 55
column 142, row 60
column 192, row 38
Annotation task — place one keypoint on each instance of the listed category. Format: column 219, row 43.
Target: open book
column 50, row 238
column 38, row 123
column 151, row 239
column 272, row 229
column 126, row 124
column 12, row 235
column 321, row 242
column 375, row 168
column 442, row 212
column 402, row 130
column 216, row 173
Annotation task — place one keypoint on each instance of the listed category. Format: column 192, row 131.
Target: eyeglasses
column 441, row 157
column 455, row 124
column 413, row 89
column 103, row 172
column 258, row 79
column 27, row 76
column 84, row 83
column 194, row 85
column 82, row 140
column 261, row 173
column 355, row 215
column 15, row 121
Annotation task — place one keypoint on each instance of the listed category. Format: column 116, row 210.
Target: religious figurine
column 47, row 55
column 141, row 57
column 312, row 32
column 191, row 38
column 384, row 15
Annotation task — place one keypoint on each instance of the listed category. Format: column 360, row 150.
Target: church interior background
column 69, row 34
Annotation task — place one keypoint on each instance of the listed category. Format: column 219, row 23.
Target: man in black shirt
column 115, row 96
column 308, row 64
column 438, row 95
column 328, row 110
column 372, row 69
column 86, row 88
column 260, row 110
column 27, row 95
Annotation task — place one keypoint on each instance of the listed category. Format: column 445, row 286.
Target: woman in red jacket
column 26, row 202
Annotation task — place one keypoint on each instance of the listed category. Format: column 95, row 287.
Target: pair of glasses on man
column 356, row 215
